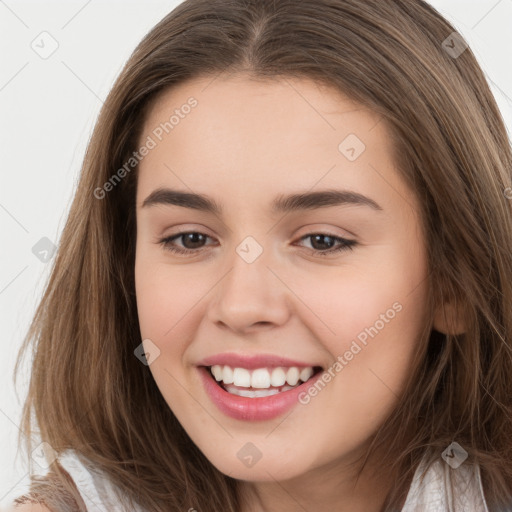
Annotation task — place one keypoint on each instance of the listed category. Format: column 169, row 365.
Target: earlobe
column 449, row 320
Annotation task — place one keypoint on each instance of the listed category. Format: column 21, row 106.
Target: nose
column 250, row 297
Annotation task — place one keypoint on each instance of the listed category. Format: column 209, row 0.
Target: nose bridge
column 249, row 274
column 249, row 293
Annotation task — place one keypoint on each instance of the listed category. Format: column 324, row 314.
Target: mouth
column 261, row 382
column 256, row 387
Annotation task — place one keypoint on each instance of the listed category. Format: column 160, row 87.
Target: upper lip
column 253, row 361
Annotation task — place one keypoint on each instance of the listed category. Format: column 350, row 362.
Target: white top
column 445, row 489
column 98, row 493
column 433, row 493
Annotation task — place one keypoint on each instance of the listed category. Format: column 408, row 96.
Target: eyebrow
column 281, row 204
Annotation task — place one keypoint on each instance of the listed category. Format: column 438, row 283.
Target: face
column 282, row 280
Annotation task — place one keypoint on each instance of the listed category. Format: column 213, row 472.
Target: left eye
column 319, row 239
column 196, row 239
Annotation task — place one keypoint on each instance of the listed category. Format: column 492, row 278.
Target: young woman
column 285, row 279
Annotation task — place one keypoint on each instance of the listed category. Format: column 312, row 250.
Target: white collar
column 445, row 489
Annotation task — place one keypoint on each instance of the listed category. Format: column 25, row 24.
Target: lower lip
column 252, row 409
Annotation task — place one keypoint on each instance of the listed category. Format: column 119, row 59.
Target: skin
column 245, row 143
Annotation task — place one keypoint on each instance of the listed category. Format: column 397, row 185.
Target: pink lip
column 252, row 409
column 252, row 362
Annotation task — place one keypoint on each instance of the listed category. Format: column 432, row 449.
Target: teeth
column 278, row 377
column 217, row 372
column 227, row 375
column 306, row 374
column 251, row 393
column 241, row 377
column 260, row 378
column 292, row 377
column 255, row 393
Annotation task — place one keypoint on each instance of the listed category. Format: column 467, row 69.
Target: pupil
column 316, row 237
column 192, row 237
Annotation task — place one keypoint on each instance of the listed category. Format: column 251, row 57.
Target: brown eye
column 192, row 241
column 319, row 241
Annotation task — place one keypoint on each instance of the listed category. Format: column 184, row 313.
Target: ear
column 449, row 319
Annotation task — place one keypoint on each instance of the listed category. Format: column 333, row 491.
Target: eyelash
column 344, row 243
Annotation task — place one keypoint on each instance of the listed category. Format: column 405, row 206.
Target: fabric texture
column 445, row 489
column 440, row 489
column 98, row 494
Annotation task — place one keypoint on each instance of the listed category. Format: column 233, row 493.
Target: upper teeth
column 261, row 377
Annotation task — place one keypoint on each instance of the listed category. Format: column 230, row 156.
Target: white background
column 48, row 109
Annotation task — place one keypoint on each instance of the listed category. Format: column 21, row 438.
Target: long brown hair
column 90, row 393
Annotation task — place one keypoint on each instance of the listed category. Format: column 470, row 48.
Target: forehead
column 240, row 137
column 252, row 105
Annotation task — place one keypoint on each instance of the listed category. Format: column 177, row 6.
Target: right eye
column 187, row 237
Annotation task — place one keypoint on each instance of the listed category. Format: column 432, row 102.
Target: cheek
column 379, row 329
column 381, row 299
column 170, row 304
column 167, row 317
column 166, row 297
column 369, row 317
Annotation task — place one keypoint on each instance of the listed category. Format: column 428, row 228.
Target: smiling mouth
column 260, row 382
